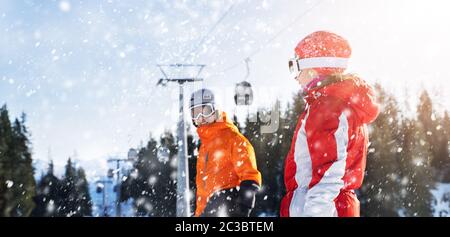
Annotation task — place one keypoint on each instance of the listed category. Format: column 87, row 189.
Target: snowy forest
column 408, row 166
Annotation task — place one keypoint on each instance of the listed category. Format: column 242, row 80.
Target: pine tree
column 379, row 192
column 143, row 193
column 5, row 136
column 84, row 201
column 140, row 184
column 68, row 205
column 17, row 184
column 167, row 178
column 427, row 123
column 416, row 176
column 68, row 197
column 47, row 194
column 443, row 157
column 24, row 176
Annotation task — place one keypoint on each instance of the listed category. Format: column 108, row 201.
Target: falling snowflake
column 64, row 6
column 152, row 179
column 9, row 183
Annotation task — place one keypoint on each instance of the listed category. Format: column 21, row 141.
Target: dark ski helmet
column 201, row 97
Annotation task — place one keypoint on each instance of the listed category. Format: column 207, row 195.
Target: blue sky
column 85, row 74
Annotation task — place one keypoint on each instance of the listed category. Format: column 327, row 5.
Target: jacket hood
column 352, row 90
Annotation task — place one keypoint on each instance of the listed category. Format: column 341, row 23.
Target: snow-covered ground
column 441, row 204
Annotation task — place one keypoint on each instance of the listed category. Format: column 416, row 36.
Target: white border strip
column 318, row 62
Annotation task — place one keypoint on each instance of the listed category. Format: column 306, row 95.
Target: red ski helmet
column 325, row 52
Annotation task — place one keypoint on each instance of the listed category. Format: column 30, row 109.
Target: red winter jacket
column 327, row 158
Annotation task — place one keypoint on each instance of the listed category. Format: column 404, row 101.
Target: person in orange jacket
column 227, row 177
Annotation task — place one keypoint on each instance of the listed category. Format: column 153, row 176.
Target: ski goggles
column 294, row 66
column 202, row 110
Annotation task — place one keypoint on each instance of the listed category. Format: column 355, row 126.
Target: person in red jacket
column 327, row 158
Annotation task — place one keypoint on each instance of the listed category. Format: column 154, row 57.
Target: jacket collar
column 209, row 131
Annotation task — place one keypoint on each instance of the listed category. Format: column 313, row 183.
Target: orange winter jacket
column 225, row 159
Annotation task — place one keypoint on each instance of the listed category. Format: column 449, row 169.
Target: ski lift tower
column 183, row 207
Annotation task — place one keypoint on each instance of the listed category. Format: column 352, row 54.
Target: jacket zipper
column 205, row 166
